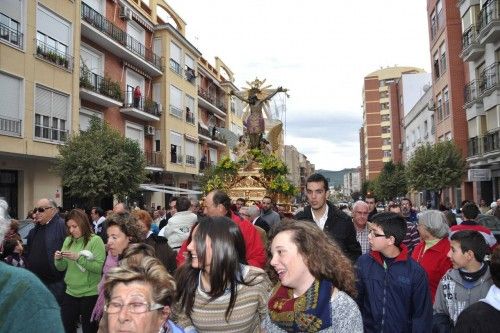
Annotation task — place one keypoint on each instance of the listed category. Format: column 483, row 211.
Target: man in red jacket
column 218, row 203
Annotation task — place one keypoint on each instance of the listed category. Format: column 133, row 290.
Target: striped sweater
column 248, row 313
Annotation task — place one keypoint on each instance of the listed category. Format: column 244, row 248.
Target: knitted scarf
column 309, row 312
column 110, row 262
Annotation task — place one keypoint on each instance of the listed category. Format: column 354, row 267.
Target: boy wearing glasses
column 393, row 292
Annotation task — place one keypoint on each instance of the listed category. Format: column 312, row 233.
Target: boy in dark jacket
column 393, row 292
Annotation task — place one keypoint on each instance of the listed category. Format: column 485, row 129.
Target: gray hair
column 253, row 211
column 435, row 222
column 4, row 218
column 358, row 203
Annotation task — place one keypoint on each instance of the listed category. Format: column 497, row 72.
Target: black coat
column 263, row 224
column 339, row 227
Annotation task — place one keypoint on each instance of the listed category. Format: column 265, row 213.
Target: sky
column 318, row 49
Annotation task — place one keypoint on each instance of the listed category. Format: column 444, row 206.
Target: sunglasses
column 41, row 209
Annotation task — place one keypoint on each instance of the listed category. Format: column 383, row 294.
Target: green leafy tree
column 99, row 163
column 368, row 187
column 435, row 167
column 391, row 182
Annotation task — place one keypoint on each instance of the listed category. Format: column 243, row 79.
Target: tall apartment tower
column 376, row 147
column 445, row 37
column 481, row 54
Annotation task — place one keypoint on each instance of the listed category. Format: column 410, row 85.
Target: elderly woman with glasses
column 139, row 298
column 431, row 252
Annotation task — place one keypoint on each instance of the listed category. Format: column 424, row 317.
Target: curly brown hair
column 127, row 224
column 323, row 257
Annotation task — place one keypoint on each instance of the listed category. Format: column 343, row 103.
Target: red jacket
column 434, row 261
column 255, row 252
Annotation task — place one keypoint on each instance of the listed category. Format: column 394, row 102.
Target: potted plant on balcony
column 85, row 75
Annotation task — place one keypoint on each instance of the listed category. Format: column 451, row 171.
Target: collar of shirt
column 322, row 220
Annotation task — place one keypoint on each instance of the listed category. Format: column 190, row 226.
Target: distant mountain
column 335, row 178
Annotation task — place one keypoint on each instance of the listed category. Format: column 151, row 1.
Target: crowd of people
column 223, row 266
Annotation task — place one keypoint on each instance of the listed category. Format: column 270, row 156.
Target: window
column 386, row 129
column 384, row 106
column 54, row 37
column 439, row 107
column 386, row 141
column 190, row 152
column 190, row 110
column 447, row 136
column 446, row 103
column 134, row 79
column 387, row 153
column 86, row 115
column 426, row 129
column 10, row 18
column 385, row 117
column 442, row 51
column 135, row 132
column 10, row 112
column 436, row 65
column 175, row 102
column 175, row 58
column 433, row 128
column 51, row 114
column 92, row 59
column 213, row 155
column 433, row 24
column 175, row 147
column 190, row 69
column 137, row 34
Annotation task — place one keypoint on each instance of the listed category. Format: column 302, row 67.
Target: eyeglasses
column 41, row 209
column 374, row 234
column 134, row 307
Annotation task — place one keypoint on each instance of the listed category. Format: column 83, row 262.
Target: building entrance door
column 9, row 190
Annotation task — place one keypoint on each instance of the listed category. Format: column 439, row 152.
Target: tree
column 435, row 167
column 368, row 187
column 391, row 182
column 99, row 163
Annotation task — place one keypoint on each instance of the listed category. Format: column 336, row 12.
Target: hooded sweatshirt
column 454, row 294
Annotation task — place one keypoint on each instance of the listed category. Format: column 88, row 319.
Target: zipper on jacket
column 384, row 299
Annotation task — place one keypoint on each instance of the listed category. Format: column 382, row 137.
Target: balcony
column 474, row 147
column 471, row 93
column 204, row 133
column 489, row 79
column 11, row 36
column 190, row 160
column 53, row 56
column 471, row 48
column 10, row 126
column 100, row 90
column 491, row 142
column 210, row 102
column 105, row 34
column 154, row 160
column 175, row 67
column 176, row 111
column 489, row 18
column 140, row 107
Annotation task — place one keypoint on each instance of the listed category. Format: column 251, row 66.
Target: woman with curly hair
column 316, row 283
column 216, row 290
column 122, row 230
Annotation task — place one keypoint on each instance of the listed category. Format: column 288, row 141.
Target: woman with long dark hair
column 81, row 256
column 216, row 290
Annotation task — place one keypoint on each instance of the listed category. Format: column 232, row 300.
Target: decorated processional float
column 257, row 168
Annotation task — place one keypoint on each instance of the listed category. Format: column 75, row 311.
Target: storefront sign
column 479, row 175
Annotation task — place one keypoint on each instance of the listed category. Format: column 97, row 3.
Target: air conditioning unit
column 150, row 130
column 430, row 106
column 125, row 13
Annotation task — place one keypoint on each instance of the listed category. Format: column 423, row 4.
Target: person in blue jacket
column 393, row 292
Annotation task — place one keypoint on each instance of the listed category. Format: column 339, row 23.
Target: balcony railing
column 99, row 22
column 206, row 95
column 469, row 37
column 101, row 85
column 190, row 160
column 12, row 36
column 190, row 75
column 10, row 126
column 473, row 146
column 176, row 111
column 175, row 66
column 189, row 117
column 176, row 158
column 489, row 13
column 153, row 159
column 492, row 142
column 470, row 92
column 222, row 106
column 141, row 103
column 489, row 77
column 204, row 131
column 50, row 54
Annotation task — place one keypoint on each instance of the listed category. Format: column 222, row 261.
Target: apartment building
column 126, row 62
column 379, row 120
column 448, row 83
column 481, row 54
column 39, row 45
column 292, row 162
column 352, row 182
